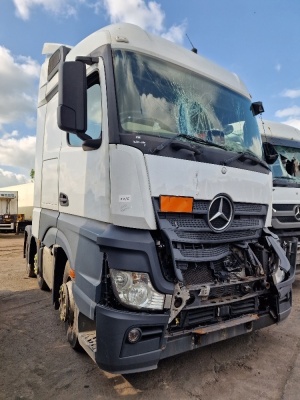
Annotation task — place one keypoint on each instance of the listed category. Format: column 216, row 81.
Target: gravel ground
column 36, row 361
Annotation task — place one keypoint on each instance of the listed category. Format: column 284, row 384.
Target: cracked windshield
column 159, row 98
column 287, row 164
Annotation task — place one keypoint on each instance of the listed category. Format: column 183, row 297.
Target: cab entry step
column 88, row 342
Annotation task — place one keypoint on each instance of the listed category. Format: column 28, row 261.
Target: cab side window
column 94, row 113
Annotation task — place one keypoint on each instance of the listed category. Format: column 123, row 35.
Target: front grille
column 249, row 208
column 203, row 205
column 283, row 207
column 205, row 253
column 207, row 237
column 249, row 222
column 200, row 206
column 187, row 222
column 191, row 242
column 198, row 222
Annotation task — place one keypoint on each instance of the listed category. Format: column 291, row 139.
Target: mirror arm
column 91, row 144
column 87, row 60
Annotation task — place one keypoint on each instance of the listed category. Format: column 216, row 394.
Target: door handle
column 63, row 199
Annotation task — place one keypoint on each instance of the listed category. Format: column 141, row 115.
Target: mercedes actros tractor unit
column 151, row 221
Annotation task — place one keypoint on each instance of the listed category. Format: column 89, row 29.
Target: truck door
column 83, row 173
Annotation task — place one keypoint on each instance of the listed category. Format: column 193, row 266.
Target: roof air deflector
column 57, row 57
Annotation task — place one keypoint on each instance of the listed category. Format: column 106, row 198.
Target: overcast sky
column 258, row 40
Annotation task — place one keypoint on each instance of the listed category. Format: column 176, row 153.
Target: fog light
column 134, row 335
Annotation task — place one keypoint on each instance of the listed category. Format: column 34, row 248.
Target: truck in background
column 23, row 205
column 150, row 225
column 8, row 210
column 286, row 180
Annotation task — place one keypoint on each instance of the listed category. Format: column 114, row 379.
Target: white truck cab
column 286, row 180
column 150, row 218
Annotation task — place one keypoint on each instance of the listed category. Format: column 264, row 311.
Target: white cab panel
column 52, row 136
column 286, row 195
column 131, row 204
column 41, row 113
column 205, row 181
column 50, row 184
column 52, row 143
column 84, row 178
column 170, row 176
column 36, row 214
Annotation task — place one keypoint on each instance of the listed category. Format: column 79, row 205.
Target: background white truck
column 8, row 210
column 286, row 187
column 150, row 224
column 21, row 207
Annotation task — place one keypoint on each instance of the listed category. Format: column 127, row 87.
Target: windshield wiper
column 165, row 144
column 189, row 138
column 247, row 155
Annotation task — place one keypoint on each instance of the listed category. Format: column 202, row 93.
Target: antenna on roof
column 194, row 50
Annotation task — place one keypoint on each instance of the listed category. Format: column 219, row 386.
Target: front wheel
column 68, row 310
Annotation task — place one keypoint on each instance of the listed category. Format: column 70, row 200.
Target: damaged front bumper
column 193, row 325
column 157, row 342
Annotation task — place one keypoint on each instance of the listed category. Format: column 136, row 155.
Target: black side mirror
column 270, row 153
column 72, row 97
column 257, row 108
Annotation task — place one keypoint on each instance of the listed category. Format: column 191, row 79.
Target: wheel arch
column 24, row 245
column 29, row 245
column 62, row 253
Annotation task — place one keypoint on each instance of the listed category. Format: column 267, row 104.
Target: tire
column 29, row 264
column 41, row 282
column 68, row 310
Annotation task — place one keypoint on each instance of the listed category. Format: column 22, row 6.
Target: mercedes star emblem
column 297, row 213
column 220, row 213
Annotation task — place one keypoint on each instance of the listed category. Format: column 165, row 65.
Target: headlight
column 278, row 275
column 134, row 289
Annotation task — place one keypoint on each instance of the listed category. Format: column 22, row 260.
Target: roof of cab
column 278, row 130
column 132, row 37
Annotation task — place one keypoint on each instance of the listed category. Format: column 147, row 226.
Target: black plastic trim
column 281, row 142
column 133, row 250
column 48, row 219
column 113, row 127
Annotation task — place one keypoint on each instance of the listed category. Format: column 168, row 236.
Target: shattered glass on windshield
column 162, row 99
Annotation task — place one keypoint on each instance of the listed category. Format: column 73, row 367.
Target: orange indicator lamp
column 72, row 273
column 176, row 204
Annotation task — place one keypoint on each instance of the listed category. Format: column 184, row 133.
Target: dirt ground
column 36, row 361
